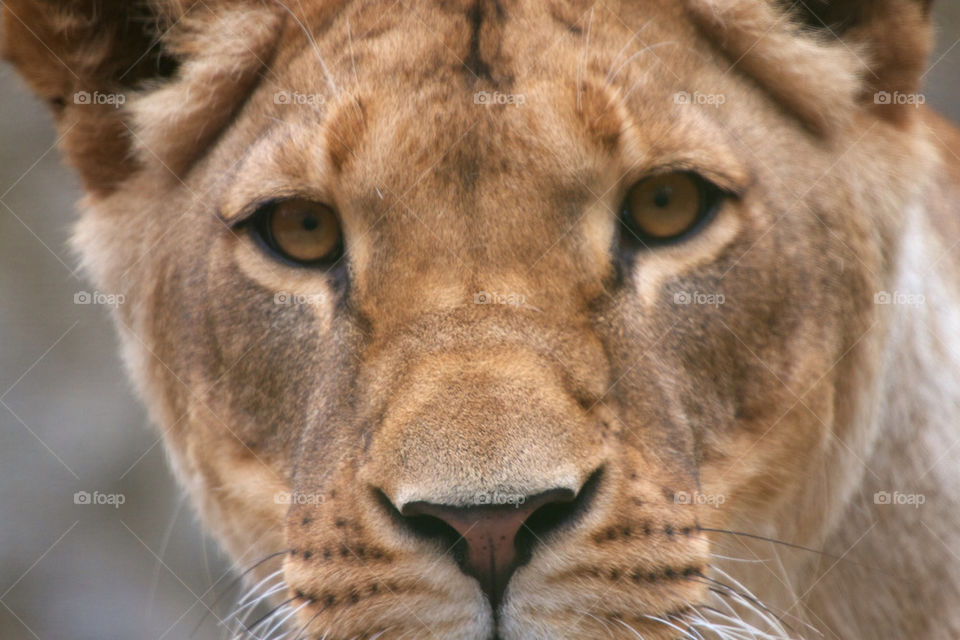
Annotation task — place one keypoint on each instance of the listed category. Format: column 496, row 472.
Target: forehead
column 493, row 40
column 473, row 91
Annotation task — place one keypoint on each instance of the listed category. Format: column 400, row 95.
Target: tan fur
column 794, row 400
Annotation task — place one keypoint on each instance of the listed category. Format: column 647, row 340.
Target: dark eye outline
column 262, row 232
column 712, row 198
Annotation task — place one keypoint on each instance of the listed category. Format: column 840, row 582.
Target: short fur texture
column 699, row 431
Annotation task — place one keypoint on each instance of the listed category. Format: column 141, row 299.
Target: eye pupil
column 310, row 223
column 662, row 197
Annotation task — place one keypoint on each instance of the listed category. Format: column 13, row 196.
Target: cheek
column 765, row 460
column 278, row 284
column 730, row 361
column 241, row 494
column 252, row 354
column 265, row 357
column 654, row 270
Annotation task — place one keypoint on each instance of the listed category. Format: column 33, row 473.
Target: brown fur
column 788, row 400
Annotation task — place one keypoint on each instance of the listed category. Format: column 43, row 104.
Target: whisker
column 777, row 627
column 686, row 634
column 624, row 48
column 233, row 583
column 631, row 629
column 267, row 632
column 744, row 560
column 744, row 592
column 754, row 606
column 257, row 586
column 691, row 629
column 728, row 589
column 251, row 606
column 602, row 623
column 268, row 615
column 647, row 48
column 161, row 552
column 310, row 622
column 755, row 536
column 278, row 626
column 313, row 43
column 583, row 59
column 751, row 604
column 736, row 626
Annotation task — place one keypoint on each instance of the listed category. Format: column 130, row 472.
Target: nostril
column 554, row 516
column 491, row 542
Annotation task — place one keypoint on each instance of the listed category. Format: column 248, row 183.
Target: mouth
column 724, row 613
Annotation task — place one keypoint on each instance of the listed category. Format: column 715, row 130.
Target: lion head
column 494, row 319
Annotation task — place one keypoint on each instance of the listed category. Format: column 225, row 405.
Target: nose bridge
column 467, row 425
column 503, row 236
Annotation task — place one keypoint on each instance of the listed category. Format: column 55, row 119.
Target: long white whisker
column 751, row 602
column 252, row 606
column 280, row 586
column 254, row 588
column 602, row 623
column 280, row 623
column 637, row 53
column 583, row 59
column 313, row 43
column 268, row 623
column 685, row 633
column 624, row 48
column 635, row 633
column 738, row 626
column 744, row 560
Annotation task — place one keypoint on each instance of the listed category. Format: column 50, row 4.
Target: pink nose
column 490, row 533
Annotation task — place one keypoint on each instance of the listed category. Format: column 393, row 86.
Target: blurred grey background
column 69, row 423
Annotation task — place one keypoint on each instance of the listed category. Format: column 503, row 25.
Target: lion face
column 468, row 394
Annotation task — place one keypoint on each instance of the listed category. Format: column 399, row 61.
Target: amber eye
column 302, row 231
column 666, row 207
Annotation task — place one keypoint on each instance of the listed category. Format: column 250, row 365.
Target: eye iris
column 304, row 231
column 664, row 207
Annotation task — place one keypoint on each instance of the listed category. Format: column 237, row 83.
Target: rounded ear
column 825, row 59
column 893, row 39
column 83, row 58
column 117, row 75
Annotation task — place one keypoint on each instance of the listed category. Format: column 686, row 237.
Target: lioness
column 495, row 319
